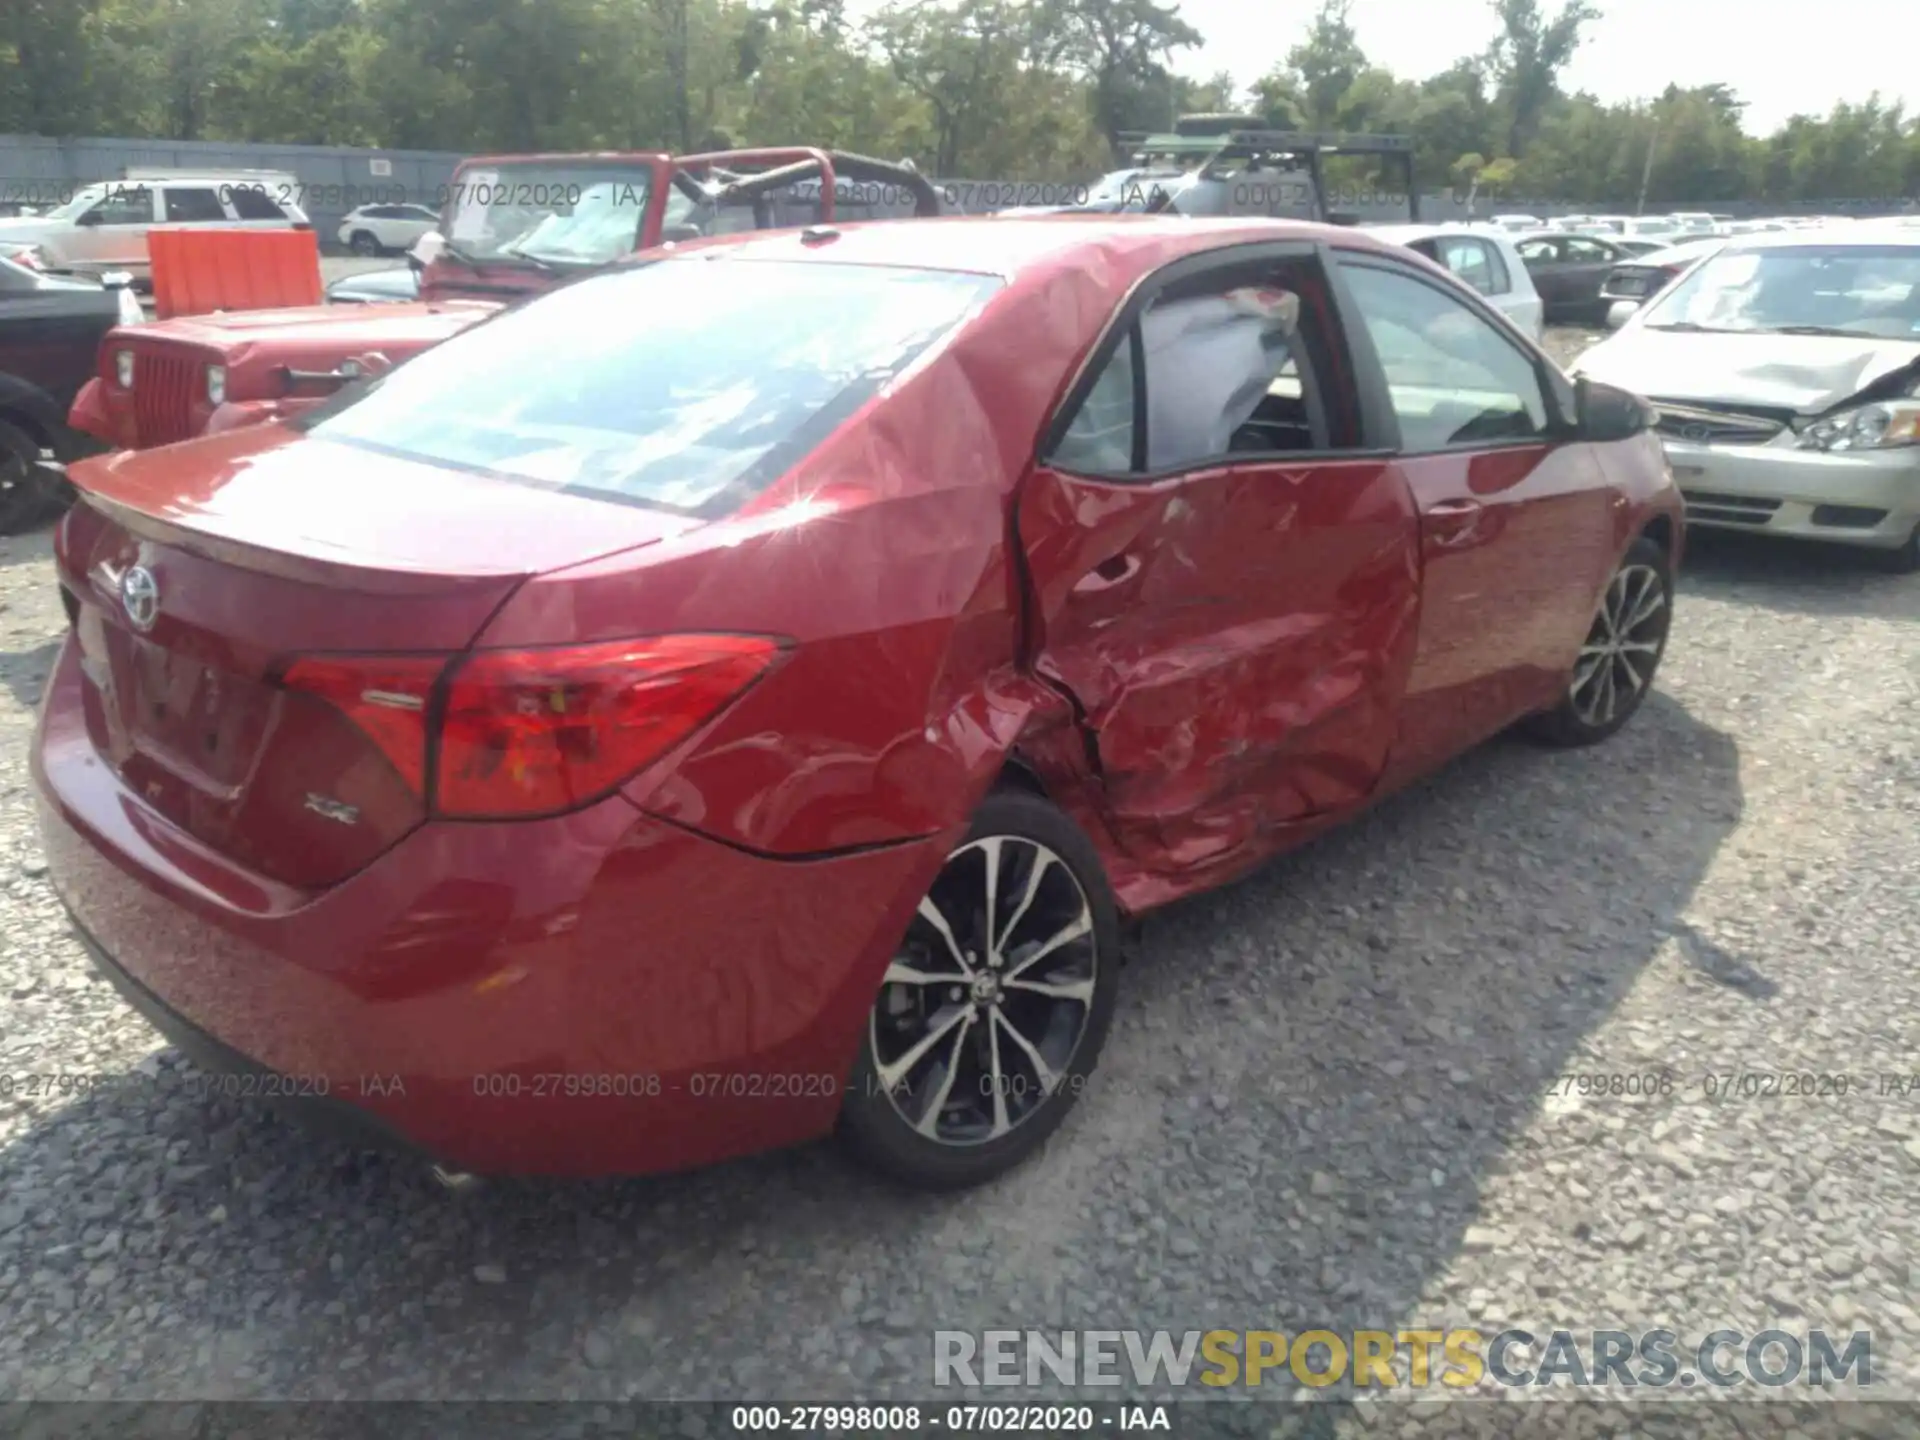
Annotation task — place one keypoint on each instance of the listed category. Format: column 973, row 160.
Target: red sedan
column 738, row 696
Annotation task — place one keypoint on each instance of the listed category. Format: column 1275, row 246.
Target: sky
column 1780, row 56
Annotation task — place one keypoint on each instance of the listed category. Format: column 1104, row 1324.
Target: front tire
column 1902, row 561
column 1616, row 665
column 992, row 1014
column 27, row 494
column 364, row 242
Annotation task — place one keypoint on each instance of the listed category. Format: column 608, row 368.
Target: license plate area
column 205, row 725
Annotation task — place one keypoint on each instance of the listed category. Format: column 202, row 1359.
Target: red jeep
column 511, row 226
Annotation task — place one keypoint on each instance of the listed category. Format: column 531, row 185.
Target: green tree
column 1327, row 63
column 1528, row 54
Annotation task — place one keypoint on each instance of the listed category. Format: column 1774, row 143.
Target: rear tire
column 984, row 1035
column 364, row 242
column 1616, row 665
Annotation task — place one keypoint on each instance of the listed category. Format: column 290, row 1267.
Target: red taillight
column 539, row 731
column 386, row 696
column 530, row 732
column 1671, row 270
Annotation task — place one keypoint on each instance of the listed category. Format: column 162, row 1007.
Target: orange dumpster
column 196, row 272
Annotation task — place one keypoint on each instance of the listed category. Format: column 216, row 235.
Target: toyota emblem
column 140, row 594
column 1695, row 433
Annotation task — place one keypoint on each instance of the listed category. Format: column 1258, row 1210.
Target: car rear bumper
column 601, row 993
column 1870, row 499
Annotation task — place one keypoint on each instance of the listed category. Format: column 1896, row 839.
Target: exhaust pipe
column 456, row 1182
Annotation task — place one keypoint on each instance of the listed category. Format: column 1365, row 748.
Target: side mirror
column 1606, row 412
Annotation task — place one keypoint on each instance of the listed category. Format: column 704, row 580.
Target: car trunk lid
column 201, row 573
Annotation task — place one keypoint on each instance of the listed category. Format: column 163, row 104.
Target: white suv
column 378, row 229
column 104, row 227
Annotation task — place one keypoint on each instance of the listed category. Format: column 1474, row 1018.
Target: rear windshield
column 685, row 384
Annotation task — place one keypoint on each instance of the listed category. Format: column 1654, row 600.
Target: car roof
column 1010, row 246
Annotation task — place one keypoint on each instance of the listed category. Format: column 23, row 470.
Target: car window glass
column 1453, row 378
column 686, row 384
column 250, row 203
column 1498, row 281
column 124, row 206
column 1100, row 439
column 1230, row 368
column 1587, row 252
column 1471, row 261
column 1538, row 249
column 194, row 205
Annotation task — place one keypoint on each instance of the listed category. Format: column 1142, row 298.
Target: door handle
column 1449, row 520
column 1109, row 574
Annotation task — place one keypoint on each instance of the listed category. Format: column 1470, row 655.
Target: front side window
column 192, row 206
column 685, row 384
column 1455, row 380
column 1872, row 291
column 124, row 206
column 1589, row 252
column 1536, row 251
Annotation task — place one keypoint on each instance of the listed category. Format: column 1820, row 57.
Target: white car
column 104, row 227
column 1786, row 369
column 379, row 229
column 1485, row 258
column 1517, row 222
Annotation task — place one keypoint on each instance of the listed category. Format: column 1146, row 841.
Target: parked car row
column 483, row 724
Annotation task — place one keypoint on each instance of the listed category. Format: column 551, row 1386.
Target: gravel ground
column 1327, row 1099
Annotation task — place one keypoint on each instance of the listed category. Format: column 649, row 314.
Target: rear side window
column 192, row 206
column 250, row 203
column 1475, row 262
column 1455, row 380
column 686, row 384
column 1233, row 361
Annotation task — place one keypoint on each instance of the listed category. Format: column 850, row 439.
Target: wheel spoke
column 990, row 848
column 930, row 1117
column 1041, row 1071
column 1625, row 667
column 998, row 1080
column 1082, row 925
column 891, row 1075
column 1079, row 990
column 1042, row 861
column 901, row 973
column 1652, row 601
column 930, row 913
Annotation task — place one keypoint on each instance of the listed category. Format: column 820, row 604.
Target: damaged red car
column 739, row 696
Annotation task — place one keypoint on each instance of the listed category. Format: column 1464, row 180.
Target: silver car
column 1786, row 368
